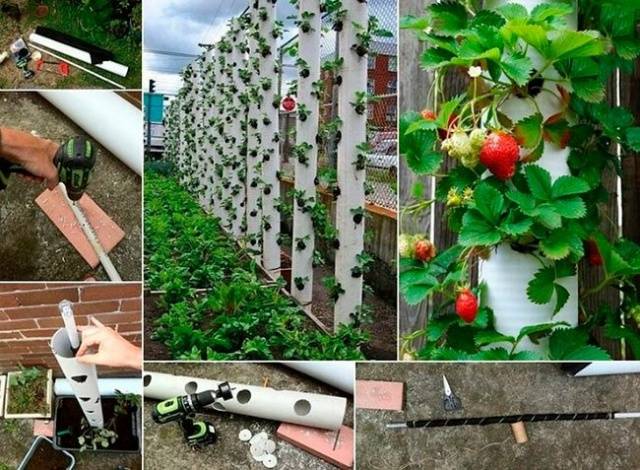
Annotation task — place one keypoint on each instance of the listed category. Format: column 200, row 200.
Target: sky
column 178, row 26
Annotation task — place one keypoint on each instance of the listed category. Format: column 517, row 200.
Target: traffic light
column 152, row 86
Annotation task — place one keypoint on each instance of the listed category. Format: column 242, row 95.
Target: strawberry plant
column 504, row 192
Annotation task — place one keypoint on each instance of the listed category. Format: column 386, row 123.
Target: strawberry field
column 213, row 301
column 521, row 158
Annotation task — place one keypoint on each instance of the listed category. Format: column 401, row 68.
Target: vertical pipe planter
column 219, row 129
column 254, row 166
column 82, row 377
column 229, row 147
column 350, row 204
column 208, row 134
column 269, row 130
column 306, row 150
column 198, row 113
column 508, row 272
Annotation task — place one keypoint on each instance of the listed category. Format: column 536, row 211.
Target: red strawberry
column 429, row 115
column 500, row 154
column 467, row 305
column 424, row 250
column 593, row 253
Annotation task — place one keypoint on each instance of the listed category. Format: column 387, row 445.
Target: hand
column 113, row 349
column 34, row 154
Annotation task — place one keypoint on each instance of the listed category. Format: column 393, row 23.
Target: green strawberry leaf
column 517, row 67
column 570, row 208
column 476, row 231
column 534, row 35
column 411, row 22
column 575, row 44
column 570, row 344
column 437, row 327
column 493, row 354
column 516, row 224
column 627, row 47
column 592, row 90
column 489, row 202
column 546, row 11
column 525, row 202
column 513, row 11
column 558, row 244
column 528, row 131
column 633, row 138
column 416, row 293
column 562, row 295
column 568, row 186
column 539, row 181
column 527, row 356
column 588, row 353
column 418, row 148
column 448, row 18
column 538, row 331
column 482, row 338
column 435, row 57
column 540, row 288
column 547, row 216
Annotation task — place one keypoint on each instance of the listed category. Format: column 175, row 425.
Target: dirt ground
column 500, row 389
column 71, row 21
column 31, row 247
column 164, row 444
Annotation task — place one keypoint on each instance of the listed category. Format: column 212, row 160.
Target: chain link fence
column 382, row 86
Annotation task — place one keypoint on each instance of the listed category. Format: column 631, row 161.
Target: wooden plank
column 414, row 84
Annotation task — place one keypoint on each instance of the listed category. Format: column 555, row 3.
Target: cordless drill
column 179, row 408
column 74, row 160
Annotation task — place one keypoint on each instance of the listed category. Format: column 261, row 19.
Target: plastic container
column 43, row 454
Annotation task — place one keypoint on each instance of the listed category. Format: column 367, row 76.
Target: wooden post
column 269, row 131
column 306, row 150
column 350, row 205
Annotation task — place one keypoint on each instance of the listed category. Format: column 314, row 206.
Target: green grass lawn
column 75, row 19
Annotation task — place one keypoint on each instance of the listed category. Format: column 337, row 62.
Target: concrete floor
column 32, row 248
column 164, row 444
column 496, row 389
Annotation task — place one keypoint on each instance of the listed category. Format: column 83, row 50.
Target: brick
column 46, row 297
column 128, row 305
column 10, row 335
column 32, row 312
column 115, row 318
column 56, row 208
column 377, row 395
column 42, row 333
column 14, row 325
column 8, row 300
column 43, row 427
column 320, row 442
column 129, row 328
column 91, row 308
column 53, row 322
column 15, row 286
column 3, row 316
column 109, row 291
column 33, row 344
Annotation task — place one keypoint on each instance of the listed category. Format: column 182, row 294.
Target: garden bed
column 239, row 317
column 29, row 394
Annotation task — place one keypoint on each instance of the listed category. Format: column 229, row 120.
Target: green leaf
column 476, row 231
column 489, row 202
column 482, row 320
column 512, row 11
column 588, row 353
column 565, row 340
column 528, row 131
column 421, row 125
column 547, row 216
column 613, row 262
column 418, row 148
column 568, row 186
column 448, row 18
column 627, row 47
column 540, row 288
column 525, row 202
column 534, row 35
column 416, row 293
column 570, row 208
column 516, row 224
column 435, row 57
column 575, row 44
column 411, row 22
column 562, row 295
column 447, row 109
column 517, row 67
column 545, row 11
column 494, row 354
column 482, row 338
column 539, row 181
column 633, row 138
column 538, row 331
column 526, row 356
column 591, row 90
column 437, row 327
column 557, row 245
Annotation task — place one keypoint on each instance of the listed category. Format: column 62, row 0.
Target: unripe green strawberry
column 470, row 160
column 458, row 145
column 635, row 314
column 477, row 138
column 467, row 305
column 405, row 246
column 500, row 154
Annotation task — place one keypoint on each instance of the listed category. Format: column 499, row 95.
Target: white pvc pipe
column 110, row 119
column 83, row 378
column 238, row 43
column 305, row 409
column 79, row 54
column 610, row 368
column 69, row 323
column 340, row 375
column 106, row 387
column 350, row 180
column 305, row 171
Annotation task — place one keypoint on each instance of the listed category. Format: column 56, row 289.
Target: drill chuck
column 179, row 408
column 75, row 160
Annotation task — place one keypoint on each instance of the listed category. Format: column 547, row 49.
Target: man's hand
column 113, row 349
column 34, row 154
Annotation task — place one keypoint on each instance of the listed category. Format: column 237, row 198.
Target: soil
column 30, row 398
column 45, row 456
column 69, row 416
column 153, row 350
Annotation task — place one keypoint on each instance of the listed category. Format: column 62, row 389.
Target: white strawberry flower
column 474, row 71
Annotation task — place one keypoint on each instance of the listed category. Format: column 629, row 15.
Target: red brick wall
column 29, row 316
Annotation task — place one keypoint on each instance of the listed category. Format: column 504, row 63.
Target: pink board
column 56, row 208
column 321, row 442
column 375, row 395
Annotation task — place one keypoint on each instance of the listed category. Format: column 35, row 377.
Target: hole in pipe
column 191, row 387
column 97, row 400
column 302, row 407
column 147, row 380
column 243, row 396
column 79, row 378
column 85, row 398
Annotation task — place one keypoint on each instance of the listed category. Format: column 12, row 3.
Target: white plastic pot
column 49, row 399
column 83, row 378
column 305, row 409
column 107, row 117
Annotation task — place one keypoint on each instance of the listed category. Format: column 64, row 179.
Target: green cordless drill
column 179, row 408
column 74, row 160
column 198, row 434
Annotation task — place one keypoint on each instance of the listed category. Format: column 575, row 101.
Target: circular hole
column 191, row 387
column 243, row 396
column 147, row 380
column 302, row 407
